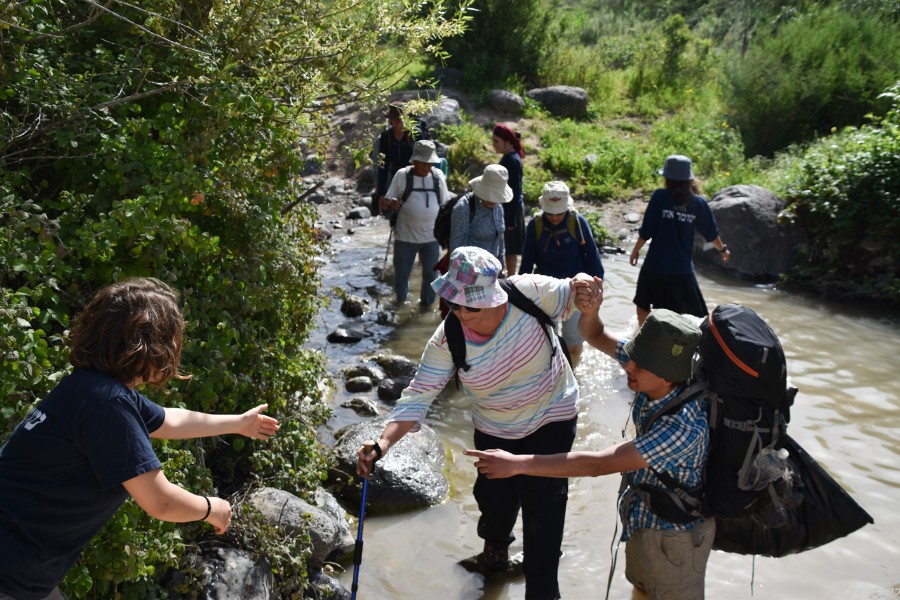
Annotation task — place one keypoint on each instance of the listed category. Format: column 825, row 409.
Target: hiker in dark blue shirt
column 559, row 243
column 674, row 214
column 85, row 448
column 666, row 551
column 393, row 150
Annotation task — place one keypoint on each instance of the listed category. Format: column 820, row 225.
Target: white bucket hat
column 424, row 151
column 555, row 198
column 471, row 279
column 491, row 186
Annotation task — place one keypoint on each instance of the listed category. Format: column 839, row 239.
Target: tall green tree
column 504, row 41
column 165, row 138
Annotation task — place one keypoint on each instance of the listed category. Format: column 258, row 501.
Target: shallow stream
column 844, row 360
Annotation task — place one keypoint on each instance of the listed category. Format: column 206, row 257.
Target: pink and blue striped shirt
column 514, row 384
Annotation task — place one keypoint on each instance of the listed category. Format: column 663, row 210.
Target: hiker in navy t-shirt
column 667, row 278
column 393, row 150
column 665, row 556
column 85, row 448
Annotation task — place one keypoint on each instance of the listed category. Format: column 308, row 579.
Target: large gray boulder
column 226, row 573
column 562, row 100
column 326, row 521
column 506, row 101
column 748, row 222
column 445, row 112
column 409, row 477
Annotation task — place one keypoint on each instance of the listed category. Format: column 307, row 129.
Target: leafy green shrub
column 713, row 146
column 843, row 195
column 591, row 160
column 172, row 151
column 469, row 152
column 813, row 73
column 598, row 228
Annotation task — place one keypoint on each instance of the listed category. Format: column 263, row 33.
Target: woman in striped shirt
column 524, row 400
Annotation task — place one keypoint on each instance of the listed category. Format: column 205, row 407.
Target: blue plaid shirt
column 677, row 444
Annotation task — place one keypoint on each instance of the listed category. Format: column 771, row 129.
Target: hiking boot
column 495, row 559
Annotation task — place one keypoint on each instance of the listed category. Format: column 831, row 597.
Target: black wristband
column 378, row 453
column 724, row 249
column 208, row 508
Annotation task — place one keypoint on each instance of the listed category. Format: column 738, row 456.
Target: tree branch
column 144, row 29
column 27, row 135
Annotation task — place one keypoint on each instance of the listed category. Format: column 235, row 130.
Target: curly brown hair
column 131, row 330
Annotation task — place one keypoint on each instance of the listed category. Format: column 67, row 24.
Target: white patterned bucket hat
column 471, row 279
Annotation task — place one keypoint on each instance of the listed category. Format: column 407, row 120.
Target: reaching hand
column 496, row 464
column 366, row 457
column 588, row 293
column 219, row 514
column 256, row 425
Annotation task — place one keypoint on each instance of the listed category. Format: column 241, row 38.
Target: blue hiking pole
column 358, row 548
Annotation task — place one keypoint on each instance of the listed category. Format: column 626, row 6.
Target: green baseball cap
column 665, row 344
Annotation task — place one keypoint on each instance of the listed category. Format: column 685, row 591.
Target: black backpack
column 457, row 342
column 443, row 219
column 769, row 497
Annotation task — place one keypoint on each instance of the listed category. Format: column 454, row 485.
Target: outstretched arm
column 499, row 464
column 588, row 299
column 183, row 424
column 166, row 501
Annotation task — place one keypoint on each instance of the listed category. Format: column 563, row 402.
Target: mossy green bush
column 166, row 140
column 812, row 72
column 843, row 194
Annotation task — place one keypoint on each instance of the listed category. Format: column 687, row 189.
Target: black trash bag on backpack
column 816, row 510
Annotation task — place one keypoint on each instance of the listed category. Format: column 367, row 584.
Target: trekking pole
column 358, row 548
column 387, row 251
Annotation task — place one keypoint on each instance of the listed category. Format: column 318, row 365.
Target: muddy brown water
column 843, row 359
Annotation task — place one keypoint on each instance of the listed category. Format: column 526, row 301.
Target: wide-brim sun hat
column 472, row 279
column 491, row 185
column 677, row 168
column 424, row 151
column 665, row 344
column 555, row 199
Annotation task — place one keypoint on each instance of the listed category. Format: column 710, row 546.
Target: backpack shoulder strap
column 526, row 305
column 456, row 341
column 692, row 390
column 538, row 225
column 574, row 229
column 409, row 185
column 435, row 173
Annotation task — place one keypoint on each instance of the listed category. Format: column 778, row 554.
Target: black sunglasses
column 454, row 307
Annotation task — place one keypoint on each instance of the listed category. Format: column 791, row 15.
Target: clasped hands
column 588, row 292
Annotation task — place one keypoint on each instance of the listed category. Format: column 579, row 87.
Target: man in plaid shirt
column 665, row 555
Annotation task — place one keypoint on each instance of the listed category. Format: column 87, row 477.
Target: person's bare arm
column 590, row 325
column 181, row 424
column 498, row 464
column 166, row 501
column 392, row 434
column 636, row 251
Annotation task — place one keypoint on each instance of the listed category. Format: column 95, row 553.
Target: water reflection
column 847, row 414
